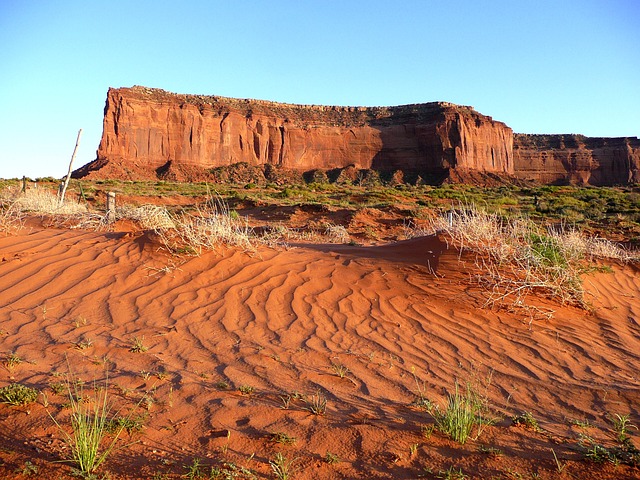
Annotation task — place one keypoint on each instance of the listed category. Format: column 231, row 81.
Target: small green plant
column 12, row 360
column 340, row 370
column 80, row 321
column 421, row 401
column 452, row 474
column 222, row 385
column 84, row 343
column 17, row 394
column 282, row 467
column 331, row 458
column 597, row 453
column 137, row 345
column 129, row 423
column 28, row 469
column 193, row 471
column 582, row 423
column 427, row 430
column 229, row 470
column 527, row 420
column 317, row 404
column 413, row 448
column 489, row 450
column 621, row 426
column 283, row 438
column 246, row 389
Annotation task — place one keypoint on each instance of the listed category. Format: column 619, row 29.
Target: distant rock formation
column 149, row 133
column 576, row 159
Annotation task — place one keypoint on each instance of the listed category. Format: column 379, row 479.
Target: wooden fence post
column 111, row 207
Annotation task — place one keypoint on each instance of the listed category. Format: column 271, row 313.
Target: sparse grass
column 89, row 443
column 559, row 465
column 137, row 345
column 339, row 369
column 465, row 411
column 17, row 394
column 421, row 400
column 317, row 404
column 84, row 343
column 282, row 467
column 229, row 471
column 452, row 474
column 286, row 401
column 12, row 360
column 193, row 471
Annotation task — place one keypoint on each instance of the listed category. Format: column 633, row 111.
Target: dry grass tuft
column 40, row 200
column 11, row 218
column 209, row 227
column 149, row 217
column 337, row 234
column 517, row 257
column 212, row 226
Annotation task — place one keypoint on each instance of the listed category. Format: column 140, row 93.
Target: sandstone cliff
column 150, row 132
column 146, row 129
column 576, row 159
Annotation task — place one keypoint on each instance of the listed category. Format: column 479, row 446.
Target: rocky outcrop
column 148, row 129
column 576, row 159
column 150, row 133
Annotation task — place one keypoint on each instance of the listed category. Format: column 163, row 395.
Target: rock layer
column 576, row 159
column 149, row 131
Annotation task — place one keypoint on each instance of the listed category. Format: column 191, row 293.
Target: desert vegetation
column 222, row 352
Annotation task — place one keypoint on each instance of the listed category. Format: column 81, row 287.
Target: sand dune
column 276, row 320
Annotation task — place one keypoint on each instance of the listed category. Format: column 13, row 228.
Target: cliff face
column 576, row 159
column 150, row 131
column 144, row 129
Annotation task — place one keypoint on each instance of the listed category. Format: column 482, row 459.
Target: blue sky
column 570, row 66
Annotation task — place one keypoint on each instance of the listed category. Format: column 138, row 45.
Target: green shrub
column 18, row 394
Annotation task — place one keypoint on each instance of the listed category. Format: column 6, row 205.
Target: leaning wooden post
column 73, row 157
column 24, row 184
column 111, row 207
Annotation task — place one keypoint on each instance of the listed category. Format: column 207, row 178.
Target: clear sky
column 556, row 66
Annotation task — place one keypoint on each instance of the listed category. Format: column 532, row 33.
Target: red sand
column 277, row 320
